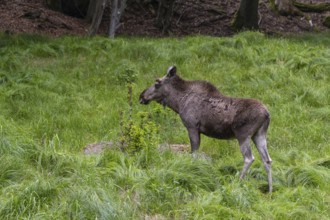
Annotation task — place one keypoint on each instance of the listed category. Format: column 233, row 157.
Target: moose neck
column 176, row 95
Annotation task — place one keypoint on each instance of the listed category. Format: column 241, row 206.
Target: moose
column 204, row 110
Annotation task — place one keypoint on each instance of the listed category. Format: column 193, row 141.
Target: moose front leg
column 194, row 137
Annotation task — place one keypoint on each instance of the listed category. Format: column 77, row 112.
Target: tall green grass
column 58, row 95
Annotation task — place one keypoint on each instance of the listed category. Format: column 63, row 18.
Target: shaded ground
column 207, row 17
column 32, row 16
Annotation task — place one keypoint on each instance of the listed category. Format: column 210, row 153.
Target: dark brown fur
column 204, row 110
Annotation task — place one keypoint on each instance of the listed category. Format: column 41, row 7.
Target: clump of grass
column 209, row 206
column 298, row 202
column 13, row 170
column 29, row 198
column 307, row 176
column 89, row 203
column 174, row 182
column 325, row 162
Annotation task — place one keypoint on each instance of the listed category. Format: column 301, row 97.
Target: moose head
column 160, row 89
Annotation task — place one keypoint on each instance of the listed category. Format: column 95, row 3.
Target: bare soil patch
column 190, row 17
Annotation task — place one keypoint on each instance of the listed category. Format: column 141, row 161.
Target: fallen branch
column 213, row 8
column 209, row 20
column 317, row 7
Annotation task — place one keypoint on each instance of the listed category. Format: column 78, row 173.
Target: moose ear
column 171, row 71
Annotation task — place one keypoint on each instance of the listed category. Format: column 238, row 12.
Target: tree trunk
column 164, row 15
column 113, row 18
column 97, row 16
column 90, row 11
column 247, row 15
column 117, row 9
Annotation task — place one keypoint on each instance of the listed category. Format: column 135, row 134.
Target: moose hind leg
column 247, row 155
column 261, row 143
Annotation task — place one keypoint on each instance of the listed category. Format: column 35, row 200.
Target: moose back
column 204, row 110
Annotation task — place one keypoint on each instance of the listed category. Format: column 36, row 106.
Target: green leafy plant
column 139, row 132
column 142, row 133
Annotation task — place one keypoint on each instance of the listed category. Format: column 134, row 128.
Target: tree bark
column 117, row 9
column 97, row 16
column 247, row 15
column 113, row 18
column 90, row 11
column 164, row 15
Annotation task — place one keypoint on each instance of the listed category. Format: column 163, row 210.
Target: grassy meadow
column 59, row 95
